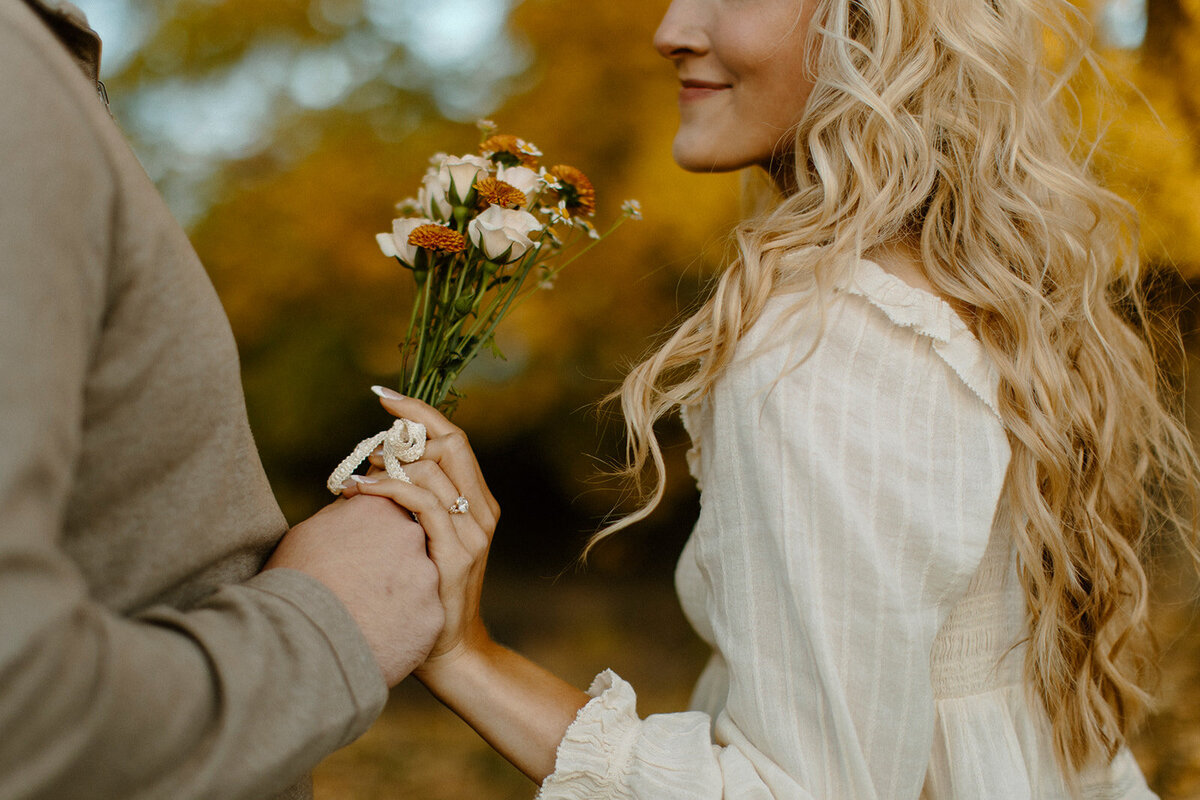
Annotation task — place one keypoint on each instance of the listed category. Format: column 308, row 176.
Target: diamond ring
column 461, row 506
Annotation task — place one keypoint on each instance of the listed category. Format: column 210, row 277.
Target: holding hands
column 519, row 708
column 412, row 582
column 450, row 499
column 371, row 555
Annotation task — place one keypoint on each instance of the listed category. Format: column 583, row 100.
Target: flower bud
column 464, row 305
column 432, row 199
column 456, row 175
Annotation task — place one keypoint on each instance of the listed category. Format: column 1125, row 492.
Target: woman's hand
column 458, row 542
column 520, row 708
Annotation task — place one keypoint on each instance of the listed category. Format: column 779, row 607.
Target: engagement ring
column 461, row 506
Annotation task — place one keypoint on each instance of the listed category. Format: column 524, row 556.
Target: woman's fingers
column 446, row 547
column 350, row 486
column 428, row 475
column 409, row 408
column 454, row 456
column 474, row 536
column 449, row 447
column 457, row 546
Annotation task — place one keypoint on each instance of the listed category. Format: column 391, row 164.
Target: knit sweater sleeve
column 233, row 696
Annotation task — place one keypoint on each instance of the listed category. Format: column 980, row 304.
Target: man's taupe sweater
column 140, row 655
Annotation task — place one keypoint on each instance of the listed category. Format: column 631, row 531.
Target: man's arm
column 235, row 698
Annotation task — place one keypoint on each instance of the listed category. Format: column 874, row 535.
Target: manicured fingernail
column 362, row 479
column 383, row 391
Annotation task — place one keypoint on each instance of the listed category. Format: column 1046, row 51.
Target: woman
column 924, row 437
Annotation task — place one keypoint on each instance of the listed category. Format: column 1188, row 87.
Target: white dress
column 851, row 568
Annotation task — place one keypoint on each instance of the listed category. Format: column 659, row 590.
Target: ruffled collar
column 929, row 315
column 908, row 307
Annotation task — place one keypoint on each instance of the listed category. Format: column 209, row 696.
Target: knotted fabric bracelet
column 404, row 442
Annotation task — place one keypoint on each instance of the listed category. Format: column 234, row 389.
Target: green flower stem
column 418, row 362
column 587, row 249
column 470, row 267
column 461, row 302
column 491, row 329
column 503, row 295
column 554, row 272
column 442, row 314
column 408, row 337
column 434, row 380
column 482, row 318
column 498, row 299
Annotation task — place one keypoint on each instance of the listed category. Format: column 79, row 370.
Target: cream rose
column 457, row 174
column 524, row 179
column 503, row 230
column 432, row 198
column 395, row 244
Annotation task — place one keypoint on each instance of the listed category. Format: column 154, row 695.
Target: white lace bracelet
column 404, row 442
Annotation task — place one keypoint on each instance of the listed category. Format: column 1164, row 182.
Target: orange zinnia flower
column 509, row 150
column 437, row 237
column 575, row 189
column 495, row 192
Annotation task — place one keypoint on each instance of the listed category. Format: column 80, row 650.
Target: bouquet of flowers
column 481, row 226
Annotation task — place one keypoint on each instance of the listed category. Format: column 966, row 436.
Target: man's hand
column 371, row 554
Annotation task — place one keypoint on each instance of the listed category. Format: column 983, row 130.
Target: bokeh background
column 282, row 132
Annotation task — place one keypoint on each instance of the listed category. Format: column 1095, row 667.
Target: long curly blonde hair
column 942, row 121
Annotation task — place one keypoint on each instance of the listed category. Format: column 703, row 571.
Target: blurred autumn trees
column 1152, row 152
column 286, row 229
column 283, row 132
column 285, row 225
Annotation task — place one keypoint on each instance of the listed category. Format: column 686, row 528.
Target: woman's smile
column 749, row 53
column 693, row 90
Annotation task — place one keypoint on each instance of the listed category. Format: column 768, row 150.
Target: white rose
column 395, row 244
column 523, row 178
column 458, row 174
column 432, row 198
column 498, row 230
column 387, row 244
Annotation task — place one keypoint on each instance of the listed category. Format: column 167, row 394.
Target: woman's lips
column 699, row 90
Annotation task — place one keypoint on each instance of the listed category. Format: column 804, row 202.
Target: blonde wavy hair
column 942, row 121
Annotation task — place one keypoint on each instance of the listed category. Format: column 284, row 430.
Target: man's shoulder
column 47, row 39
column 49, row 104
column 60, row 8
column 61, row 184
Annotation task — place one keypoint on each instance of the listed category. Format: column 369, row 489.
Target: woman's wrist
column 519, row 708
column 461, row 663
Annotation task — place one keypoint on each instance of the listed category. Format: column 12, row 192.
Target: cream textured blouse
column 852, row 570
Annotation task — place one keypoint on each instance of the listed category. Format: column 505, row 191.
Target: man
column 140, row 654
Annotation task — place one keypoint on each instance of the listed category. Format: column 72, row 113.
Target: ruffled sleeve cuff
column 594, row 757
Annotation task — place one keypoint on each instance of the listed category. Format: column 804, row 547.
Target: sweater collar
column 71, row 27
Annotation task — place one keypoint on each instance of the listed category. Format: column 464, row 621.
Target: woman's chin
column 704, row 160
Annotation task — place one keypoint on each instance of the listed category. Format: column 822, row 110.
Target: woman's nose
column 681, row 31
